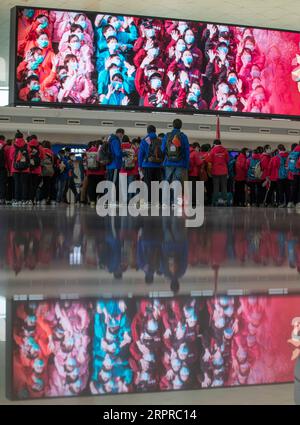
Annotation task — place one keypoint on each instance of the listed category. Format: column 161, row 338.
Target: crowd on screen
column 65, row 348
column 120, row 60
column 31, row 173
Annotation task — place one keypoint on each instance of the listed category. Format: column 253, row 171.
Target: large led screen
column 108, row 346
column 72, row 58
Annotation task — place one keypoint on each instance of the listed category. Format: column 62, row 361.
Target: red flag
column 218, row 132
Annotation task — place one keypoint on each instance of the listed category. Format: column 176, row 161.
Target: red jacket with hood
column 274, row 165
column 264, row 163
column 18, row 143
column 241, row 168
column 34, row 144
column 219, row 158
column 196, row 163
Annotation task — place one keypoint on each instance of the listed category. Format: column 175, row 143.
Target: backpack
column 232, row 168
column 47, row 166
column 128, row 160
column 105, row 155
column 155, row 154
column 174, row 147
column 255, row 171
column 35, row 160
column 293, row 165
column 92, row 161
column 2, row 157
column 283, row 171
column 22, row 159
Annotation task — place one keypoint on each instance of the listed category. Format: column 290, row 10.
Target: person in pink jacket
column 20, row 169
column 36, row 158
column 196, row 163
column 272, row 177
column 95, row 173
column 219, row 159
column 240, row 178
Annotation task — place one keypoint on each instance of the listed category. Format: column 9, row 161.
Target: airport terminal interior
column 105, row 304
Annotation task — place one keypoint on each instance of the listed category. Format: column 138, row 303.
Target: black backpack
column 22, row 159
column 174, row 147
column 2, row 157
column 105, row 155
column 155, row 154
column 35, row 159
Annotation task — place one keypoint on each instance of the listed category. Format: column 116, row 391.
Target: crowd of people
column 32, row 174
column 65, row 348
column 80, row 58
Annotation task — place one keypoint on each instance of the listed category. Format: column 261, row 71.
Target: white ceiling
column 266, row 13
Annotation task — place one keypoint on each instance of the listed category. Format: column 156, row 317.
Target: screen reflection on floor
column 87, row 346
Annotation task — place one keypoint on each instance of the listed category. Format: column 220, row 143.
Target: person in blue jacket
column 150, row 170
column 113, row 168
column 63, row 177
column 176, row 148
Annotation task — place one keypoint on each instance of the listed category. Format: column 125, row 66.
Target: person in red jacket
column 20, row 168
column 196, row 163
column 36, row 158
column 3, row 169
column 219, row 158
column 272, row 177
column 240, row 178
column 94, row 172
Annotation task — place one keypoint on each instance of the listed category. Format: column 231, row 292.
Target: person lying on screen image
column 75, row 85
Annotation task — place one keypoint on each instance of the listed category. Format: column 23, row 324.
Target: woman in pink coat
column 241, row 169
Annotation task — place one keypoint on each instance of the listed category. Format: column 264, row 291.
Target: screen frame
column 13, row 90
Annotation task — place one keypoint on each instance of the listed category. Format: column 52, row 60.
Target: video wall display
column 100, row 60
column 113, row 346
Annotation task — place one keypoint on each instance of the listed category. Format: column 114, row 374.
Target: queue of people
column 32, row 174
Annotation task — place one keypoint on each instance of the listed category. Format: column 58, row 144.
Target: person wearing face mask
column 190, row 40
column 113, row 48
column 39, row 26
column 32, row 84
column 25, row 20
column 85, row 23
column 258, row 99
column 82, row 53
column 36, row 62
column 258, row 58
column 150, row 56
column 148, row 35
column 244, row 62
column 116, row 94
column 221, row 97
column 176, row 49
column 124, row 37
column 74, row 85
column 115, row 65
column 217, row 66
column 194, row 98
column 77, row 30
column 156, row 97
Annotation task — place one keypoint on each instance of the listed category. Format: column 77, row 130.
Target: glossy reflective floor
column 71, row 253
